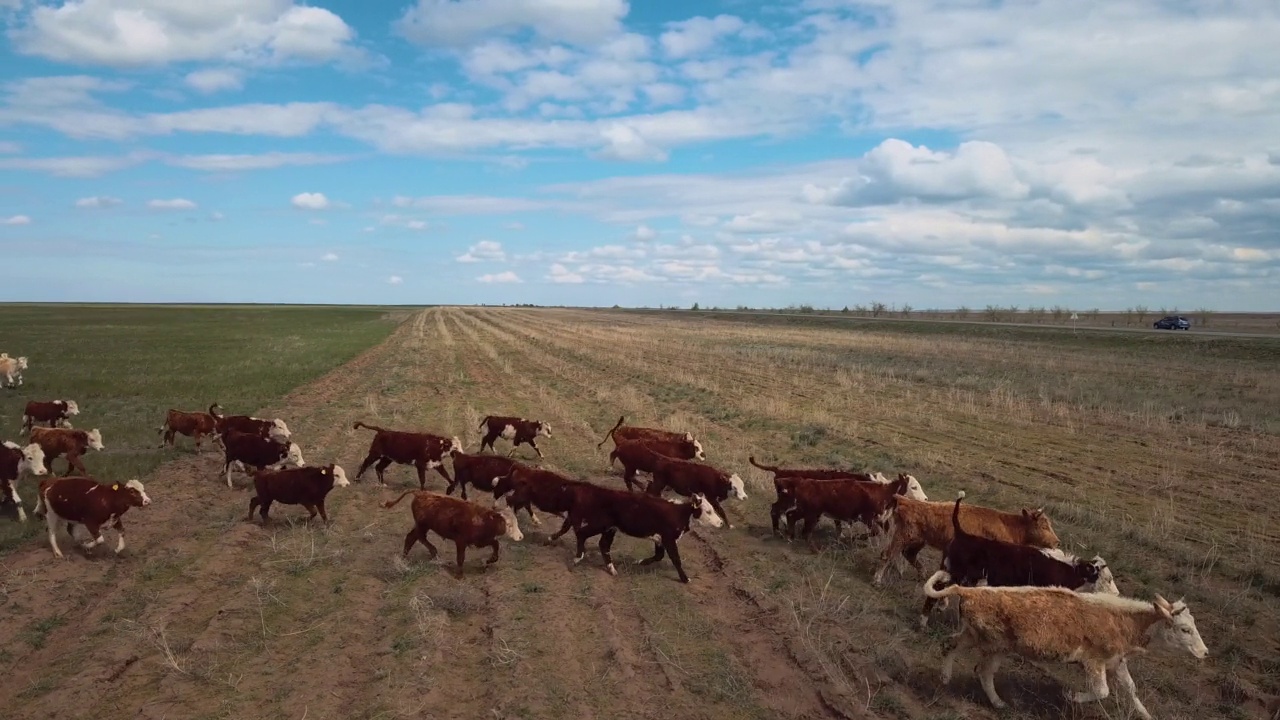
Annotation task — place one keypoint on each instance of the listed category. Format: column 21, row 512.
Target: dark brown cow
column 255, row 451
column 596, row 510
column 689, row 478
column 518, row 430
column 847, row 500
column 16, row 461
column 970, row 559
column 92, row 504
column 528, row 488
column 689, row 448
column 305, row 486
column 478, row 471
column 424, row 451
column 54, row 412
column 57, row 442
column 642, row 456
column 462, row 522
column 194, row 425
column 274, row 429
column 784, row 479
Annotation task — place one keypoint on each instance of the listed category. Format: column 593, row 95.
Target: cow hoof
column 924, row 621
column 612, row 570
column 577, row 560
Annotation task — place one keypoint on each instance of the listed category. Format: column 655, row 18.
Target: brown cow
column 54, row 412
column 689, row 448
column 12, row 368
column 642, row 456
column 463, row 522
column 194, row 425
column 424, row 451
column 16, row 461
column 846, row 500
column 596, row 510
column 478, row 471
column 57, row 442
column 690, row 478
column 539, row 488
column 84, row 500
column 518, row 430
column 249, row 450
column 274, row 429
column 305, row 486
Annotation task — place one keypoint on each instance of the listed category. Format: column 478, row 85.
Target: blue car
column 1173, row 322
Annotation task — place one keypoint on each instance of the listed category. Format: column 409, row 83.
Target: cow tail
column 752, row 459
column 610, row 433
column 484, row 422
column 932, row 582
column 359, row 425
column 955, row 515
column 393, row 503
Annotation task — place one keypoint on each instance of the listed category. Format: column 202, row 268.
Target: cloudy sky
column 591, row 152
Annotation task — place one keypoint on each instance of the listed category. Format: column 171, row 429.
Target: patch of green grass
column 36, row 635
column 125, row 366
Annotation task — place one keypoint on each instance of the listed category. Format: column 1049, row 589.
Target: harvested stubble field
column 1157, row 454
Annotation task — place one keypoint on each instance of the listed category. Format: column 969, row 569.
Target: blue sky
column 592, row 152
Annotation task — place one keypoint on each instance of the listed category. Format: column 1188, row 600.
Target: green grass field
column 126, row 366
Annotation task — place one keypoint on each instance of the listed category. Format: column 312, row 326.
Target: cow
column 970, row 559
column 249, row 450
column 305, row 486
column 424, row 451
column 274, row 429
column 783, row 479
column 57, row 442
column 642, row 456
column 596, row 510
column 688, row 447
column 847, row 500
column 194, row 425
column 12, row 368
column 54, row 412
column 690, row 478
column 465, row 523
column 16, row 461
column 518, row 430
column 529, row 487
column 478, row 471
column 87, row 502
column 1097, row 630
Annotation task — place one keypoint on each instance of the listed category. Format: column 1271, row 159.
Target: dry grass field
column 1158, row 452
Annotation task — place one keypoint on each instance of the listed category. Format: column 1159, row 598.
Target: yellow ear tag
column 115, row 487
column 324, row 472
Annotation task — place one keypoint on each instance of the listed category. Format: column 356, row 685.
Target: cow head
column 703, row 512
column 1039, row 530
column 294, row 456
column 1103, row 581
column 22, row 362
column 511, row 528
column 914, row 490
column 454, row 444
column 216, row 410
column 32, row 461
column 339, row 475
column 504, row 484
column 738, row 487
column 95, row 438
column 1178, row 629
column 544, row 429
column 69, row 407
column 279, row 431
column 697, row 446
column 135, row 492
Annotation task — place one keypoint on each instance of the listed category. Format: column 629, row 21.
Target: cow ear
column 115, row 486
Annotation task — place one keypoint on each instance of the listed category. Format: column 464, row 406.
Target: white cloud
column 212, row 80
column 78, row 167
column 174, row 204
column 16, row 220
column 9, row 148
column 404, row 222
column 98, row 201
column 310, row 201
column 561, row 274
column 697, row 35
column 451, row 23
column 644, row 233
column 231, row 163
column 469, row 204
column 395, row 280
column 502, row 277
column 484, row 251
column 130, row 33
column 216, row 216
column 514, row 226
column 329, row 257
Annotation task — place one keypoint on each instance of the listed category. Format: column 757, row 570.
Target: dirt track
column 207, row 615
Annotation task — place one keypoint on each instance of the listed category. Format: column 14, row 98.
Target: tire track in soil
column 777, row 669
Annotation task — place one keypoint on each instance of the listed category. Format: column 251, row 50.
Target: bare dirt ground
column 206, row 615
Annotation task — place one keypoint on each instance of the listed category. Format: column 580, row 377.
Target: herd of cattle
column 1016, row 591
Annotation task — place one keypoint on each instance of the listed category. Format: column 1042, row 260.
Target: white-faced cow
column 54, row 412
column 305, row 486
column 424, row 451
column 11, row 369
column 465, row 523
column 16, row 461
column 57, row 442
column 688, row 448
column 274, row 429
column 195, row 425
column 518, row 430
column 85, row 501
column 250, row 450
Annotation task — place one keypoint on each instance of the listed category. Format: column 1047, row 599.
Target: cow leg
column 443, row 473
column 422, row 474
column 987, row 677
column 119, row 528
column 564, row 528
column 365, row 465
column 226, row 472
column 199, row 438
column 887, row 557
column 659, row 552
column 462, row 554
column 1096, row 675
column 775, row 513
column 606, row 543
column 73, row 461
column 810, row 520
column 313, row 510
column 95, row 536
column 323, row 515
column 13, row 495
column 792, row 515
column 254, row 502
column 487, row 441
column 412, row 537
column 494, row 557
column 629, row 476
column 674, row 552
column 963, row 642
column 715, row 504
column 581, row 534
column 381, row 468
column 912, row 554
column 51, row 519
column 533, row 445
column 1126, row 683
